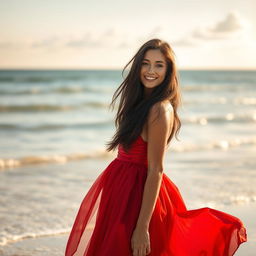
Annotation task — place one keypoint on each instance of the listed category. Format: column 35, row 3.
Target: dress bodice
column 137, row 153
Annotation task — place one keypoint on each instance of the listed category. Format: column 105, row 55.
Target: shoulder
column 161, row 110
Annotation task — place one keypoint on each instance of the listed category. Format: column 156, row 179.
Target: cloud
column 231, row 23
column 147, row 35
column 184, row 42
column 10, row 45
column 83, row 42
column 107, row 38
column 155, row 32
column 111, row 32
column 231, row 26
column 47, row 42
column 5, row 45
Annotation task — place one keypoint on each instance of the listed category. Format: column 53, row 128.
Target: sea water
column 54, row 125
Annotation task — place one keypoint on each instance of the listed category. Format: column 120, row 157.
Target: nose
column 151, row 69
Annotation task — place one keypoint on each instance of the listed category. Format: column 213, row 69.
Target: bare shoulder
column 160, row 110
column 167, row 105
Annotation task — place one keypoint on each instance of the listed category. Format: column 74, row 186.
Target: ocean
column 54, row 125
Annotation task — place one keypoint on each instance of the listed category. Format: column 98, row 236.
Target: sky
column 62, row 34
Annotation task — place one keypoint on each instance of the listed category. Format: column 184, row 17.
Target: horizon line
column 118, row 69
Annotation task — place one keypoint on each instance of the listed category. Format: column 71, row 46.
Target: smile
column 150, row 78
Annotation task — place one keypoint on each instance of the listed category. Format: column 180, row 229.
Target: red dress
column 109, row 211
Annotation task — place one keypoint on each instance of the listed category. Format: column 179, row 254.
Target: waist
column 132, row 159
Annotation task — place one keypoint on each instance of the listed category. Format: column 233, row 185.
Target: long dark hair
column 133, row 107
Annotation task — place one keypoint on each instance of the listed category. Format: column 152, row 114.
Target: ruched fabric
column 109, row 211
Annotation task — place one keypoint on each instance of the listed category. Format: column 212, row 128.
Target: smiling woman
column 133, row 208
column 153, row 68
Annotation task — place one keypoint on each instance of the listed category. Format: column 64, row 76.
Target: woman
column 133, row 208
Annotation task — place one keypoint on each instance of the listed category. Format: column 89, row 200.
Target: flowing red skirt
column 109, row 211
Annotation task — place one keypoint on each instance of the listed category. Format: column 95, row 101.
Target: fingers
column 141, row 251
column 148, row 250
column 140, row 245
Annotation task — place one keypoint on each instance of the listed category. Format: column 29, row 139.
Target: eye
column 144, row 63
column 159, row 65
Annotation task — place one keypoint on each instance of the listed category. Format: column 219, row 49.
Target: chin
column 150, row 86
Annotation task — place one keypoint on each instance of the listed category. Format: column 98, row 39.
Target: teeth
column 150, row 78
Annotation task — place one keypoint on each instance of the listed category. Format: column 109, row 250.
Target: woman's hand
column 140, row 242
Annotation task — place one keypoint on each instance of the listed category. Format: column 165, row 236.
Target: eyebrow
column 159, row 61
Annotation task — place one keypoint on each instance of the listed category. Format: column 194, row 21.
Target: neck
column 147, row 92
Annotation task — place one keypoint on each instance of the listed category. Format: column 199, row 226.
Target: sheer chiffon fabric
column 108, row 214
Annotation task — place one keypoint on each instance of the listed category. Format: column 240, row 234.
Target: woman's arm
column 160, row 122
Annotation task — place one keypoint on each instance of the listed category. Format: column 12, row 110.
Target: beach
column 53, row 129
column 55, row 245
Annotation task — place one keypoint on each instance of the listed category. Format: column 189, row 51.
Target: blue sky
column 106, row 34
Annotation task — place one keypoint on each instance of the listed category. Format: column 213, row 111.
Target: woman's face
column 153, row 68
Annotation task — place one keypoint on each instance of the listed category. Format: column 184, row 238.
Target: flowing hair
column 133, row 107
